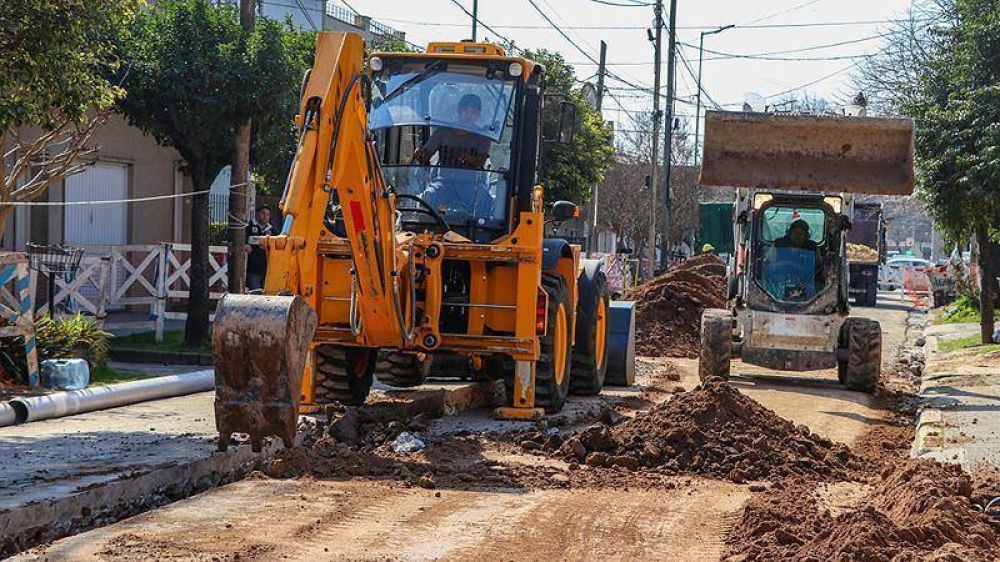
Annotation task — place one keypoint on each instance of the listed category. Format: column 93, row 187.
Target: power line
column 783, row 12
column 687, row 66
column 306, row 13
column 628, row 5
column 791, row 51
column 790, row 59
column 480, row 22
column 642, row 27
column 578, row 47
column 814, row 82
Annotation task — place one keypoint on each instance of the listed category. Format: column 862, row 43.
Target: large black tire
column 344, row 374
column 402, row 370
column 550, row 392
column 716, row 344
column 860, row 360
column 592, row 309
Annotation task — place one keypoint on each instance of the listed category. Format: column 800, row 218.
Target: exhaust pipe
column 73, row 402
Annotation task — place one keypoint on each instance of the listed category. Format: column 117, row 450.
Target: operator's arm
column 423, row 154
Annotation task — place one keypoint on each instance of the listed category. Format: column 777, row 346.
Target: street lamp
column 697, row 111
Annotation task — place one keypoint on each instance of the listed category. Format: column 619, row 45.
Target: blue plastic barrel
column 65, row 374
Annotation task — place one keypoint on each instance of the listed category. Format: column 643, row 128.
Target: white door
column 100, row 224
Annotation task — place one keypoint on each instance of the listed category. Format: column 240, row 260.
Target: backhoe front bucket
column 259, row 346
column 808, row 152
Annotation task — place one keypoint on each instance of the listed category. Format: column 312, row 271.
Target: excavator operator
column 459, row 151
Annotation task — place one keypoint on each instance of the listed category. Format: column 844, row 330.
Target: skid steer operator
column 460, row 150
column 795, row 249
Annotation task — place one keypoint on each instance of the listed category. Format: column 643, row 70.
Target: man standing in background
column 256, row 255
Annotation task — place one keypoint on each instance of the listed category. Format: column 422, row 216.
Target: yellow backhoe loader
column 413, row 244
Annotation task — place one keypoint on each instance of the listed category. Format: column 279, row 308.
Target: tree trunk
column 987, row 283
column 196, row 327
column 238, row 190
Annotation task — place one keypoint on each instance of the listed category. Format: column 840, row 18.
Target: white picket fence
column 151, row 279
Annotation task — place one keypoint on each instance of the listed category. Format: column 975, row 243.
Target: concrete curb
column 929, row 436
column 942, row 432
column 45, row 521
column 163, row 357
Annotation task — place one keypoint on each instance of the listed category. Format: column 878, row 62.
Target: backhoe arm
column 336, row 160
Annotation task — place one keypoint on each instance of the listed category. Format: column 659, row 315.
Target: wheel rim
column 602, row 332
column 561, row 341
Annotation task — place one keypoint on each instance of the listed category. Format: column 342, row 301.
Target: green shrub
column 965, row 309
column 218, row 233
column 76, row 336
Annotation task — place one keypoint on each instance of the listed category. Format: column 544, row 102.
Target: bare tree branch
column 45, row 159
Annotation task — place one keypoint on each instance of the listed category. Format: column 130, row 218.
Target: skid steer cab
column 788, row 281
column 413, row 245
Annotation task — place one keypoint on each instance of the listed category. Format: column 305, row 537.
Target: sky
column 769, row 27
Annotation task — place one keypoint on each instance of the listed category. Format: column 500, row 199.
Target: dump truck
column 413, row 244
column 865, row 252
column 788, row 280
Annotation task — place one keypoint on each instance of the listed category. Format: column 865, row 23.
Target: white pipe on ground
column 7, row 415
column 101, row 397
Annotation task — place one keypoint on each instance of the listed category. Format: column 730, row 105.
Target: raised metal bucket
column 808, row 152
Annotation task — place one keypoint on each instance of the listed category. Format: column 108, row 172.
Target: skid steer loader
column 413, row 243
column 788, row 284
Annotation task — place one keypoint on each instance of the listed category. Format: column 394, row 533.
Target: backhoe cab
column 414, row 233
column 788, row 280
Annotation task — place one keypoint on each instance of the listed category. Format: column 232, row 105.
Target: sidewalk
column 960, row 421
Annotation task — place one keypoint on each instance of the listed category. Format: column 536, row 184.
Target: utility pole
column 594, row 190
column 475, row 17
column 238, row 187
column 697, row 112
column 668, row 136
column 655, row 153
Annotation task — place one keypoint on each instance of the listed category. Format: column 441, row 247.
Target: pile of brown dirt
column 668, row 308
column 713, row 430
column 917, row 510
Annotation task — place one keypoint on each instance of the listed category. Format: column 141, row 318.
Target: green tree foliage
column 569, row 171
column 53, row 57
column 274, row 139
column 192, row 73
column 957, row 110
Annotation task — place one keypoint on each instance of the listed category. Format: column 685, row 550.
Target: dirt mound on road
column 714, row 430
column 917, row 510
column 668, row 308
